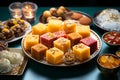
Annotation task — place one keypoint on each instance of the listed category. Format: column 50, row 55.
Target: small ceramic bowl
column 108, row 64
column 111, row 38
column 3, row 45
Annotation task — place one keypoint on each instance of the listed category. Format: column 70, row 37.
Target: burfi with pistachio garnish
column 55, row 25
column 62, row 44
column 54, row 56
column 61, row 33
column 38, row 51
column 83, row 30
column 31, row 40
column 92, row 43
column 47, row 39
column 69, row 26
column 74, row 38
column 40, row 29
column 81, row 51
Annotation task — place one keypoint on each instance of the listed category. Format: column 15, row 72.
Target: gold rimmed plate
column 43, row 61
column 19, row 69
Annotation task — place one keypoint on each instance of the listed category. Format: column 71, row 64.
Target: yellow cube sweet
column 55, row 25
column 31, row 40
column 81, row 51
column 39, row 29
column 62, row 44
column 54, row 56
column 83, row 30
column 69, row 26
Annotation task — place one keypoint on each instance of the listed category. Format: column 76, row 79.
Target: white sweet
column 14, row 57
column 109, row 19
column 5, row 65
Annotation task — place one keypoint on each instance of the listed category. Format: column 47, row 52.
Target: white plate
column 27, row 30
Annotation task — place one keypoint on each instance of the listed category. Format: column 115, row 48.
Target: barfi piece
column 31, row 40
column 55, row 25
column 92, row 43
column 74, row 38
column 83, row 30
column 38, row 51
column 59, row 34
column 39, row 29
column 81, row 51
column 62, row 44
column 69, row 26
column 47, row 39
column 54, row 56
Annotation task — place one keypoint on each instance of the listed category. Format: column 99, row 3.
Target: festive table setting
column 61, row 43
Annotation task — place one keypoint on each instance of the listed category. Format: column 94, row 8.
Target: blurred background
column 68, row 3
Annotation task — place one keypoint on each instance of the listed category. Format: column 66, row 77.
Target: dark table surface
column 37, row 71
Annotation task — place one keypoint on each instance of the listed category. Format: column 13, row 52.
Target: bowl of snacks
column 112, row 38
column 108, row 63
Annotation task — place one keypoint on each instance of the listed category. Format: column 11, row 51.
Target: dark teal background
column 71, row 3
column 36, row 71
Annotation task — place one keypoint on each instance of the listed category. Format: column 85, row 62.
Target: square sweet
column 55, row 25
column 62, row 44
column 92, row 43
column 69, row 26
column 54, row 56
column 38, row 51
column 31, row 40
column 61, row 33
column 81, row 51
column 39, row 29
column 47, row 39
column 74, row 38
column 83, row 30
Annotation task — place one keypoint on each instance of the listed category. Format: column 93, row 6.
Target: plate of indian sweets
column 63, row 13
column 61, row 43
column 13, row 29
column 12, row 60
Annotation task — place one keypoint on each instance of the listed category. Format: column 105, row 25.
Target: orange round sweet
column 76, row 15
column 85, row 20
